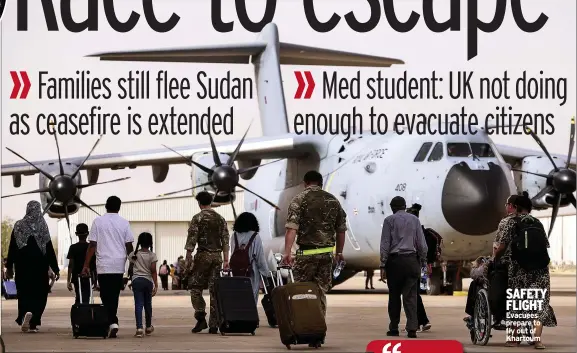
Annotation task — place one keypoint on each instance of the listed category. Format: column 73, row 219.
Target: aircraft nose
column 473, row 201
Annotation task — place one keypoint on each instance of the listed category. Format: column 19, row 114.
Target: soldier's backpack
column 434, row 242
column 529, row 244
column 240, row 261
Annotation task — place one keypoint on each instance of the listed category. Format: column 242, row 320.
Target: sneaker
column 33, row 330
column 139, row 333
column 26, row 322
column 149, row 330
column 425, row 327
column 113, row 331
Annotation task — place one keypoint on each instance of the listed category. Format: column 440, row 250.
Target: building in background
column 165, row 218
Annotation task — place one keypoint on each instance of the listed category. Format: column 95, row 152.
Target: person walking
column 207, row 230
column 370, row 274
column 31, row 254
column 423, row 320
column 246, row 240
column 317, row 222
column 111, row 239
column 523, row 272
column 144, row 280
column 76, row 258
column 403, row 253
column 163, row 273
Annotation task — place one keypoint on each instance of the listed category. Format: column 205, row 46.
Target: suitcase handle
column 80, row 289
column 264, row 284
column 290, row 271
column 225, row 273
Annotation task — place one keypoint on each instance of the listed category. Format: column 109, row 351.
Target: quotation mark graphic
column 18, row 84
column 308, row 79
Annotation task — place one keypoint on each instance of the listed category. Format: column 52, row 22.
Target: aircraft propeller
column 62, row 187
column 561, row 182
column 223, row 176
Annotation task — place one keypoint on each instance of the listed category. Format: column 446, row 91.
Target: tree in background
column 7, row 226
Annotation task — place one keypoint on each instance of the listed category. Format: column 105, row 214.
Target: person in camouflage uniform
column 207, row 230
column 317, row 221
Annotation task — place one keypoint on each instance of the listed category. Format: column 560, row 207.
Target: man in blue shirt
column 403, row 252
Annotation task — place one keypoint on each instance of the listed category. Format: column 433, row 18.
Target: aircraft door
column 341, row 191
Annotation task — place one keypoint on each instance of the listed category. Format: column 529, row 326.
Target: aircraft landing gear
column 444, row 280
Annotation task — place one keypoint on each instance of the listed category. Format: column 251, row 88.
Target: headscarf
column 32, row 225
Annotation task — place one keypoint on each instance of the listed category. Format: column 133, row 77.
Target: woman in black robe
column 31, row 254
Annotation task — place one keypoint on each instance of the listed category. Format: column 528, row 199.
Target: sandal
column 539, row 345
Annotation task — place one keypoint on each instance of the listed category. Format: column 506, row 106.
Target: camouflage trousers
column 317, row 269
column 206, row 269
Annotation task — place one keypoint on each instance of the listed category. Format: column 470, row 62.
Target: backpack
column 163, row 270
column 240, row 261
column 434, row 242
column 529, row 244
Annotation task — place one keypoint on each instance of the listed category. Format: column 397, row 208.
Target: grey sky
column 61, row 53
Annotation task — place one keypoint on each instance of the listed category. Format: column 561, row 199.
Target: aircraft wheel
column 434, row 282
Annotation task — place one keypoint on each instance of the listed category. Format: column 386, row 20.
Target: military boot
column 201, row 323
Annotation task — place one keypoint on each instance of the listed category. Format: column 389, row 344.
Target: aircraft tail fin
column 267, row 53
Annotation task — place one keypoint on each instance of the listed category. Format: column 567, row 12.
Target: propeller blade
column 235, row 153
column 540, row 143
column 543, row 192
column 50, row 177
column 183, row 156
column 526, row 172
column 67, row 216
column 571, row 142
column 217, row 161
column 58, row 149
column 233, row 210
column 246, row 170
column 203, row 168
column 28, row 192
column 183, row 190
column 104, row 182
column 48, row 207
column 571, row 199
column 78, row 200
column 260, row 197
column 556, row 205
column 88, row 156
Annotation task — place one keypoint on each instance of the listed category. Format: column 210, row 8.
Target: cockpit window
column 482, row 150
column 423, row 151
column 459, row 150
column 437, row 153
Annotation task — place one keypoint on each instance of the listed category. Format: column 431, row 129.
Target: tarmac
column 355, row 317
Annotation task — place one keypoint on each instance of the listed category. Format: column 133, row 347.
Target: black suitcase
column 266, row 300
column 235, row 305
column 88, row 319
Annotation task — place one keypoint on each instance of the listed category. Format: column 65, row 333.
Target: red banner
column 414, row 346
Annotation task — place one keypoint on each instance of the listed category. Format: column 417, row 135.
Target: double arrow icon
column 302, row 84
column 24, row 84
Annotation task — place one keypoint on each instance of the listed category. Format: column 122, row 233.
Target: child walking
column 142, row 272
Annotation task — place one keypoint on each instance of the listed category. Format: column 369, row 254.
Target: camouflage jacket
column 317, row 216
column 209, row 231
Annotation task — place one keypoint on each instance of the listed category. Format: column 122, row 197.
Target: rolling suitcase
column 9, row 290
column 298, row 312
column 266, row 300
column 235, row 305
column 88, row 319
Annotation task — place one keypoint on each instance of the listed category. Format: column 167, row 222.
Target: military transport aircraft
column 461, row 181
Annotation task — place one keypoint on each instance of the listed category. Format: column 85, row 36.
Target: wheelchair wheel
column 482, row 319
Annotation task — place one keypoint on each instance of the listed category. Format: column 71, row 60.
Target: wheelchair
column 482, row 322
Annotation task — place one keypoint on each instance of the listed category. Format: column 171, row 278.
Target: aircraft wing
column 283, row 146
column 512, row 155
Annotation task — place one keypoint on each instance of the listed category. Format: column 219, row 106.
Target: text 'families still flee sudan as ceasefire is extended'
column 378, row 8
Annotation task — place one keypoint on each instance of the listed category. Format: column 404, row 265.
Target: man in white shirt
column 111, row 239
